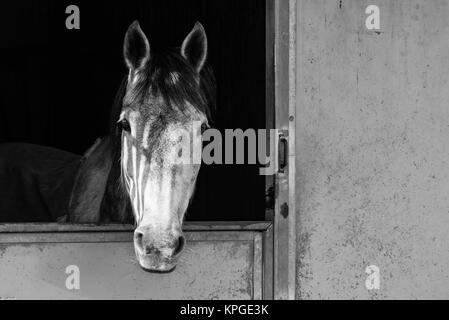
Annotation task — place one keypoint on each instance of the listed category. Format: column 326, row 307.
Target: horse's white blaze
column 146, row 135
column 125, row 163
column 139, row 183
column 135, row 195
column 125, row 166
column 165, row 200
column 148, row 198
column 160, row 205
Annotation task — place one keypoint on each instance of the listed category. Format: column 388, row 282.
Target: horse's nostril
column 179, row 245
column 144, row 248
column 138, row 238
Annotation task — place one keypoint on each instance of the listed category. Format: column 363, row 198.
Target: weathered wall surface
column 373, row 149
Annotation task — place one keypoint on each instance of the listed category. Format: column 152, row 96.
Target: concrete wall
column 373, row 149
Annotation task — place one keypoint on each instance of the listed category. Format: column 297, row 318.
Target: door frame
column 281, row 115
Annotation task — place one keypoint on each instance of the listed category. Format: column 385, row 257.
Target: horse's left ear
column 194, row 47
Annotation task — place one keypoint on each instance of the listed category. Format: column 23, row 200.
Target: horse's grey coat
column 90, row 183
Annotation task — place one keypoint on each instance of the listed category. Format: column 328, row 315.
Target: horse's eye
column 204, row 127
column 125, row 125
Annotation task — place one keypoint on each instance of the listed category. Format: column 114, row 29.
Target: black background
column 57, row 85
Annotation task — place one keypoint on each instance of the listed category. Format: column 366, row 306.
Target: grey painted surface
column 373, row 149
column 215, row 265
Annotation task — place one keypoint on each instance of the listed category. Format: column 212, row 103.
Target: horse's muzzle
column 157, row 252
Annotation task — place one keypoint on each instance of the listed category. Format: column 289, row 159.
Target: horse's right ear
column 194, row 47
column 136, row 49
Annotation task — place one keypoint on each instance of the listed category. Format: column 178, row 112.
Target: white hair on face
column 129, row 159
column 146, row 136
column 129, row 183
column 139, row 183
column 174, row 77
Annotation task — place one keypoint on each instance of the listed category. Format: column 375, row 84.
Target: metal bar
column 292, row 151
column 188, row 226
column 79, row 237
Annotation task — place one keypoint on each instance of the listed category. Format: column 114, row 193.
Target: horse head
column 165, row 108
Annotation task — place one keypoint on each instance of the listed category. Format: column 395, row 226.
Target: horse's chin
column 159, row 267
column 159, row 271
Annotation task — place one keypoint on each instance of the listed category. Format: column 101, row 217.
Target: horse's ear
column 136, row 48
column 194, row 47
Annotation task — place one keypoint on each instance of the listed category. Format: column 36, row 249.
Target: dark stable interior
column 58, row 85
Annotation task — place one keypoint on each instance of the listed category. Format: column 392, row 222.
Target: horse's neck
column 115, row 205
column 97, row 195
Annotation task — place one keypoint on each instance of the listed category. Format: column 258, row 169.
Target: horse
column 132, row 175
